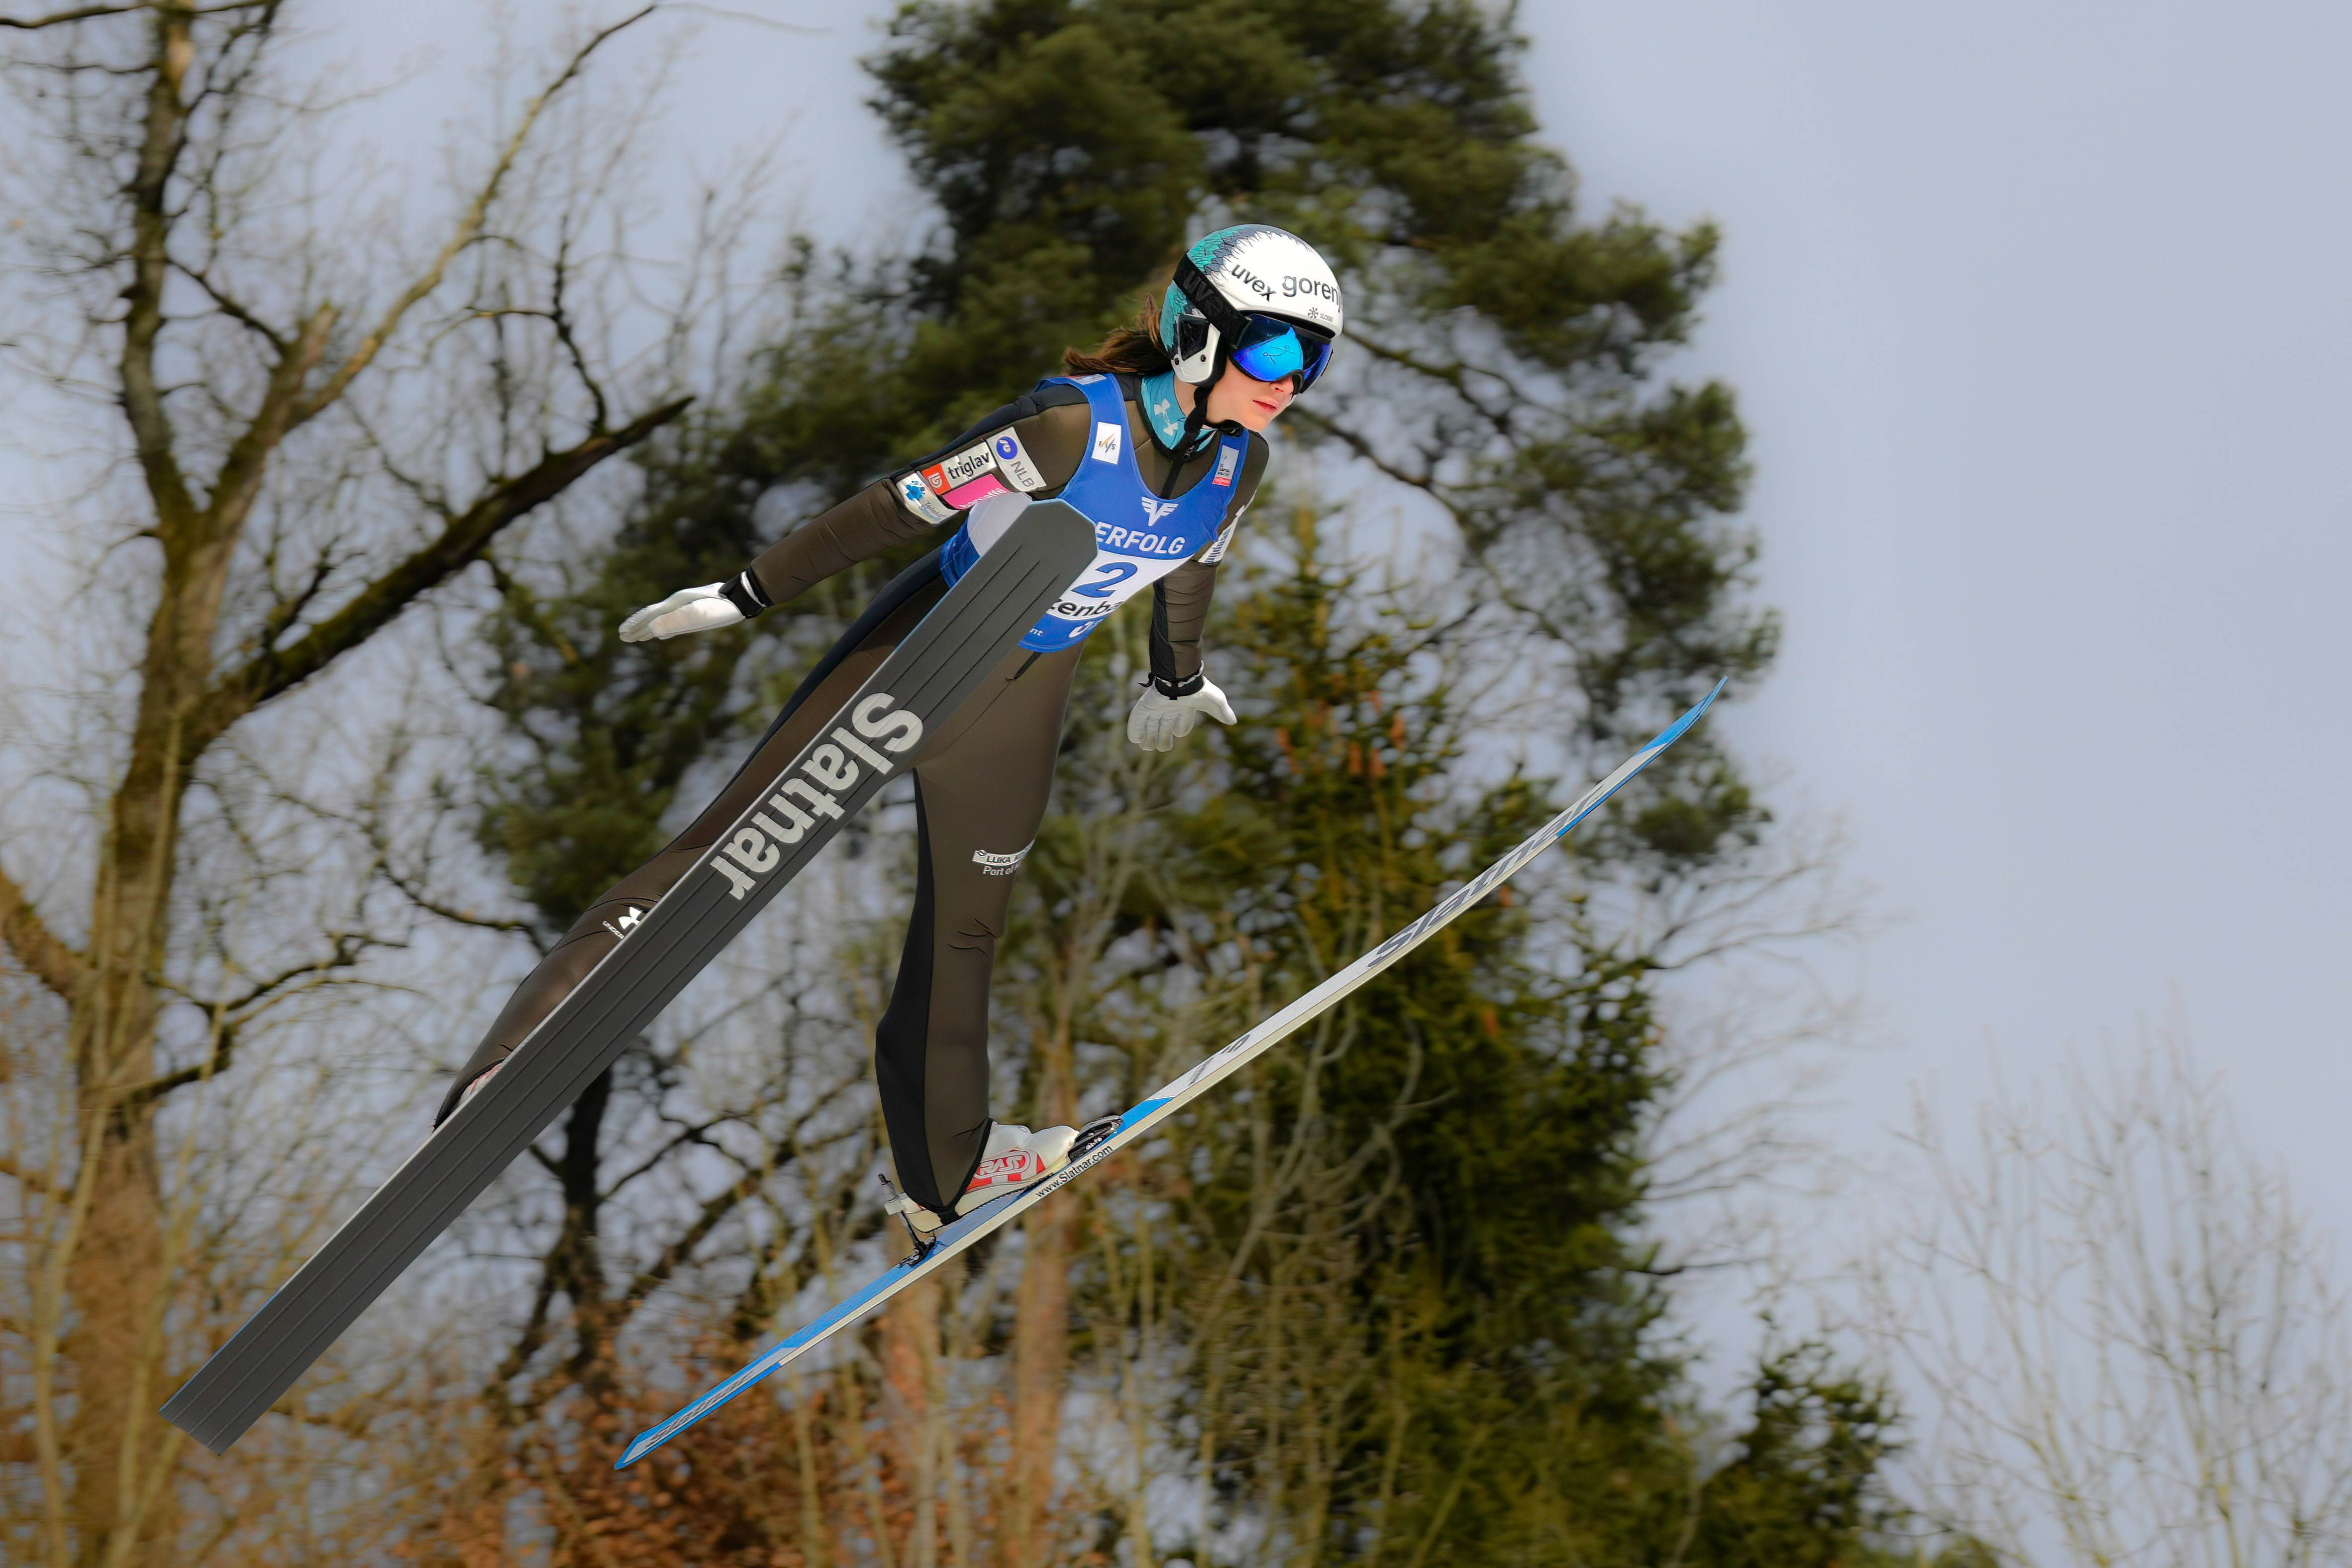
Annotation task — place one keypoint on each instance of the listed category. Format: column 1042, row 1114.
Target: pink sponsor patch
column 978, row 490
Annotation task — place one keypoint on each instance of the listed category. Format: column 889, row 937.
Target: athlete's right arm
column 900, row 508
column 903, row 508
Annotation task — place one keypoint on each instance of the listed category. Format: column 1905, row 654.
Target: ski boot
column 1015, row 1158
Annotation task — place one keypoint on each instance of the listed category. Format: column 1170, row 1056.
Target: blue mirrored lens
column 1270, row 350
column 1269, row 356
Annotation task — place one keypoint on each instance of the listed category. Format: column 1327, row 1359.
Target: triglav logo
column 752, row 852
column 965, row 466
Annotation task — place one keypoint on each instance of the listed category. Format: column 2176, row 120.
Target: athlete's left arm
column 1180, row 601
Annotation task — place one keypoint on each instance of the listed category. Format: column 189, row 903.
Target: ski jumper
column 983, row 778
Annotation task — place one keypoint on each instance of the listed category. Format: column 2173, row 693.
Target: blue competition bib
column 1140, row 537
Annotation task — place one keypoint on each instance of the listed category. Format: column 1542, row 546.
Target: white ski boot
column 1015, row 1157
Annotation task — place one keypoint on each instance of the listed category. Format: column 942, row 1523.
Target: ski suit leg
column 979, row 791
column 861, row 650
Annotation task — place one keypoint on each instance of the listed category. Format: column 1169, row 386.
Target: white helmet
column 1256, row 296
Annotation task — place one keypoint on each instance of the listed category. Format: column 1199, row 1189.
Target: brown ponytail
column 1130, row 350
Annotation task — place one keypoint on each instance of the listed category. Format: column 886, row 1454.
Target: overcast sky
column 2038, row 315
column 2037, row 312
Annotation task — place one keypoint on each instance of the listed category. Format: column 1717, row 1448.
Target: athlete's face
column 1252, row 404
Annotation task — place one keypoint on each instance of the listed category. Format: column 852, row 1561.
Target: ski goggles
column 1271, row 349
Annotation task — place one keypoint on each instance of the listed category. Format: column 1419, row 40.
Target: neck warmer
column 1159, row 392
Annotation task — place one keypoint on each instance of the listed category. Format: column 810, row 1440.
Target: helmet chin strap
column 1227, row 320
column 1197, row 420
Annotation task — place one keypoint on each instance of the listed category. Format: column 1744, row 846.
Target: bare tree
column 315, row 435
column 2128, row 1329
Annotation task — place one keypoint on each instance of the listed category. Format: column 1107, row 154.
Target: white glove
column 1157, row 722
column 688, row 610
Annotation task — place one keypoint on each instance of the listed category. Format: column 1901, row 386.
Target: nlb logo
column 1013, row 458
column 751, row 851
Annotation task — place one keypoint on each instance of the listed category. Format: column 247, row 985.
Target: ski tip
column 645, row 1443
column 1675, row 730
column 662, row 1431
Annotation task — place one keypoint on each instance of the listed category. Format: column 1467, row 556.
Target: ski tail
column 1164, row 1101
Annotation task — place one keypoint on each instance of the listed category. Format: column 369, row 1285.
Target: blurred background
column 1904, row 1130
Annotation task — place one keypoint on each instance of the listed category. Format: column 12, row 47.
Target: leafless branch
column 92, row 12
column 39, row 1181
column 51, row 962
column 468, row 229
column 271, row 671
column 2134, row 1346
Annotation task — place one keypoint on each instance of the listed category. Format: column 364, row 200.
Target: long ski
column 1164, row 1101
column 924, row 680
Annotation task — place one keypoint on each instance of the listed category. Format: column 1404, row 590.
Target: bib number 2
column 1114, row 573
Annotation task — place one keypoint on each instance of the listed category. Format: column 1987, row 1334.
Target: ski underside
column 1164, row 1103
column 939, row 664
